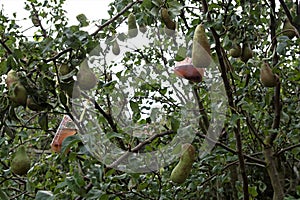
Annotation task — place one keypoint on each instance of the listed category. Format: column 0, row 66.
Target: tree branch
column 138, row 147
column 115, row 17
column 286, row 149
column 224, row 146
column 58, row 55
column 5, row 47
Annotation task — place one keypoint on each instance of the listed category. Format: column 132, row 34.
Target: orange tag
column 65, row 129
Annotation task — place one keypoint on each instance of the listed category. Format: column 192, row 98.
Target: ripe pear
column 267, row 78
column 86, row 77
column 20, row 164
column 235, row 51
column 19, row 94
column 201, row 55
column 116, row 48
column 288, row 29
column 170, row 24
column 12, row 78
column 189, row 72
column 182, row 169
column 246, row 53
column 132, row 27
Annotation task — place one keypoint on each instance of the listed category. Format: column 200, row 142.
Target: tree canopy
column 197, row 100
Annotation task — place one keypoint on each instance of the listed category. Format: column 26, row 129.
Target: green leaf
column 252, row 191
column 69, row 141
column 181, row 54
column 74, row 187
column 43, row 121
column 147, row 4
column 83, row 20
column 3, row 67
column 11, row 62
column 3, row 195
column 44, row 195
column 262, row 186
column 134, row 106
column 281, row 47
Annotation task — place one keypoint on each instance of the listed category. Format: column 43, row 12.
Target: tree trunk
column 273, row 174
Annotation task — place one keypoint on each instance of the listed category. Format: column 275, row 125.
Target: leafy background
column 257, row 155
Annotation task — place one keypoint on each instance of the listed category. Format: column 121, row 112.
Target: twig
column 273, row 32
column 287, row 149
column 5, row 47
column 252, row 128
column 202, row 111
column 58, row 55
column 108, row 22
column 138, row 147
column 224, row 146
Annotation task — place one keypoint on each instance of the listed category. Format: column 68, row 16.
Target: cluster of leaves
column 241, row 149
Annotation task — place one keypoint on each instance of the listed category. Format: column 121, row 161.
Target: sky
column 93, row 9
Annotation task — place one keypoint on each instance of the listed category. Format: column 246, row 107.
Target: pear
column 19, row 94
column 132, row 27
column 170, row 24
column 189, row 72
column 64, row 69
column 12, row 78
column 143, row 28
column 20, row 164
column 267, row 78
column 246, row 53
column 288, row 29
column 116, row 48
column 235, row 51
column 86, row 77
column 182, row 169
column 201, row 55
column 35, row 20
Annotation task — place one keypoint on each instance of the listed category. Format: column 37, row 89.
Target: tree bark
column 278, row 193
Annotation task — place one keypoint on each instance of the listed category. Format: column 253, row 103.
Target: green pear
column 143, row 28
column 288, row 29
column 64, row 69
column 267, row 78
column 12, row 78
column 132, row 27
column 35, row 20
column 235, row 51
column 86, row 77
column 20, row 164
column 246, row 53
column 201, row 55
column 166, row 18
column 182, row 169
column 19, row 94
column 116, row 48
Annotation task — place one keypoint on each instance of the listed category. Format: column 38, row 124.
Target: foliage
column 257, row 154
